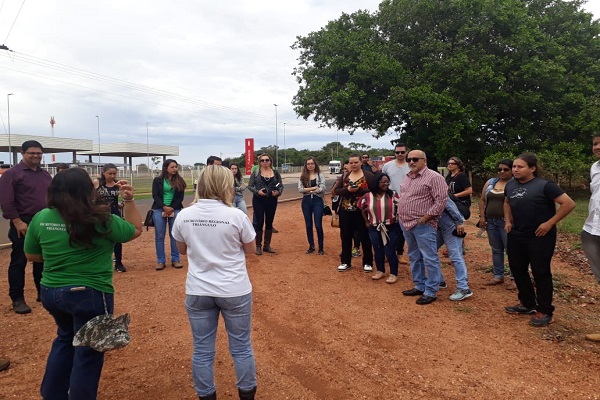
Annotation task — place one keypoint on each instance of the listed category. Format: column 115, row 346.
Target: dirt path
column 321, row 334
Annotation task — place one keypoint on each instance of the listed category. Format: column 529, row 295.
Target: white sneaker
column 367, row 268
column 343, row 267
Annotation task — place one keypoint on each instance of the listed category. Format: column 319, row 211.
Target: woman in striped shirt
column 379, row 208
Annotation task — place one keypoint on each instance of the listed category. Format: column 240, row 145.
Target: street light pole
column 276, row 146
column 99, row 159
column 284, row 148
column 10, row 155
column 147, row 148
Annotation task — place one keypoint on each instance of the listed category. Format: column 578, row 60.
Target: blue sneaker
column 461, row 294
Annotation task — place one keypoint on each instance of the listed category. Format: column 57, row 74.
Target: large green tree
column 456, row 77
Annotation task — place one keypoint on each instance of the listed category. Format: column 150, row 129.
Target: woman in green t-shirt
column 75, row 237
column 168, row 190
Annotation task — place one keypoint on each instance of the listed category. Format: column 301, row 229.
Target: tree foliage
column 457, row 77
column 331, row 151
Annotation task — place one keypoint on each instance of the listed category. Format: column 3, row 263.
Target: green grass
column 574, row 221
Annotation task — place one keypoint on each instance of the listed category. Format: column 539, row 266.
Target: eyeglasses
column 414, row 159
column 503, row 169
column 451, row 163
column 400, row 152
column 33, row 153
column 265, row 160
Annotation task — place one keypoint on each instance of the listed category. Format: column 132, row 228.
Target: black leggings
column 351, row 222
column 264, row 211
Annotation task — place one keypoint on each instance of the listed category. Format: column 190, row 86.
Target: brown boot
column 258, row 239
column 403, row 259
column 495, row 281
column 267, row 247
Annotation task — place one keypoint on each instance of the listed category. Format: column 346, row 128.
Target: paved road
column 290, row 183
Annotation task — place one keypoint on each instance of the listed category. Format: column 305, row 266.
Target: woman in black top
column 107, row 188
column 265, row 183
column 168, row 190
column 459, row 186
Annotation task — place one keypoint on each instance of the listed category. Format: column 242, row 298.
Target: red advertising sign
column 249, row 150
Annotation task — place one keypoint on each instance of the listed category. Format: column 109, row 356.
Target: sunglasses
column 400, row 152
column 503, row 169
column 265, row 160
column 414, row 159
column 364, row 158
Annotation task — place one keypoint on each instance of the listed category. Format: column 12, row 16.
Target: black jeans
column 351, row 222
column 264, row 211
column 524, row 251
column 18, row 262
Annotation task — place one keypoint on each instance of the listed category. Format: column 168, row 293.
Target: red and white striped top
column 379, row 210
column 423, row 193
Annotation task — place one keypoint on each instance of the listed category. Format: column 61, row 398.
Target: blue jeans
column 312, row 206
column 498, row 240
column 389, row 250
column 72, row 373
column 160, row 228
column 422, row 251
column 239, row 202
column 454, row 245
column 203, row 313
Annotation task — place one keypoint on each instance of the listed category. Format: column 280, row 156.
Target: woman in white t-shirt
column 216, row 237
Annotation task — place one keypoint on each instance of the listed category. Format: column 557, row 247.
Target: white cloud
column 221, row 64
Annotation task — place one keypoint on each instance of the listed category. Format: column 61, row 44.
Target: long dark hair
column 305, row 175
column 374, row 184
column 176, row 181
column 531, row 160
column 72, row 194
column 106, row 167
column 238, row 174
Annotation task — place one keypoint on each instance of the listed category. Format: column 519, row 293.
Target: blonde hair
column 216, row 182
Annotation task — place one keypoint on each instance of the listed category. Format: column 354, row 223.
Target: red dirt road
column 321, row 334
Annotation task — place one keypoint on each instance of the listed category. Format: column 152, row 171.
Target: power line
column 247, row 116
column 13, row 24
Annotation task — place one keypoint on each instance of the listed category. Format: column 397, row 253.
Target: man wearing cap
column 23, row 191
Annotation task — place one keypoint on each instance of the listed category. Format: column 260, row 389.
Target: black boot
column 267, row 248
column 258, row 239
column 212, row 396
column 247, row 394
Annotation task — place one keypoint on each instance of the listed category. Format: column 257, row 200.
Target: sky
column 195, row 74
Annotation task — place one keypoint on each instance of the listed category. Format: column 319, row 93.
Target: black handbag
column 327, row 210
column 149, row 221
column 462, row 206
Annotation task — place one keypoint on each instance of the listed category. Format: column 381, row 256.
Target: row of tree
column 467, row 78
